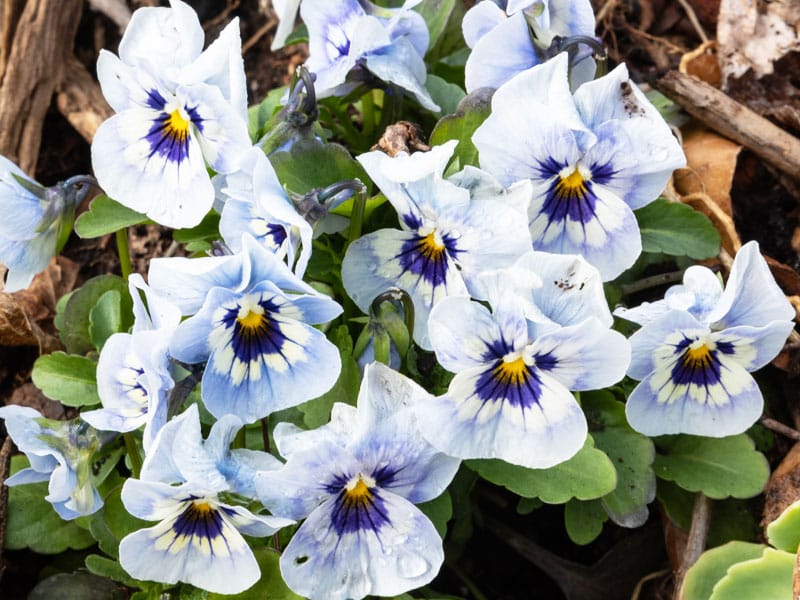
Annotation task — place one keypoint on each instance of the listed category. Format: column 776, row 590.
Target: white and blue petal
column 196, row 544
column 509, row 410
column 698, row 387
column 646, row 341
column 421, row 265
column 375, row 544
column 751, row 296
column 400, row 64
column 571, row 290
column 480, row 20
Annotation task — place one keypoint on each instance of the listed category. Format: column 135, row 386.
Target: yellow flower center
column 697, row 356
column 177, row 125
column 251, row 320
column 358, row 492
column 571, row 186
column 511, row 371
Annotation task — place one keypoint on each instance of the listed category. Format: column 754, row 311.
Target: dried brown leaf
column 29, row 395
column 783, row 487
column 702, row 63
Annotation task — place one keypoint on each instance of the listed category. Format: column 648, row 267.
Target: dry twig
column 733, row 120
column 696, row 542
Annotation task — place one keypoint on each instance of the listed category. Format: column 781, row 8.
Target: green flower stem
column 133, row 453
column 124, row 253
column 265, row 433
column 357, row 215
column 368, row 114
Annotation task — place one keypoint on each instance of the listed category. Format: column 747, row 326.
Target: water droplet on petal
column 412, row 565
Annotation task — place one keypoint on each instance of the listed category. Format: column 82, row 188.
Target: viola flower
column 507, row 42
column 599, row 155
column 198, row 539
column 286, row 11
column 510, row 398
column 134, row 369
column 253, row 326
column 58, row 451
column 697, row 347
column 452, row 231
column 35, row 220
column 360, row 39
column 256, row 203
column 175, row 115
column 355, row 482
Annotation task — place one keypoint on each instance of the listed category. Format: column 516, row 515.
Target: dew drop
column 412, row 565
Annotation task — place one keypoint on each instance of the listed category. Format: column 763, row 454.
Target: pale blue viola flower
column 256, row 203
column 179, row 109
column 452, row 231
column 510, row 398
column 187, row 484
column 59, row 452
column 507, row 42
column 36, row 218
column 355, row 482
column 134, row 376
column 567, row 289
column 361, row 40
column 253, row 327
column 598, row 155
column 696, row 349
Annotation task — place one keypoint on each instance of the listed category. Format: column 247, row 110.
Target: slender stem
column 779, row 427
column 368, row 114
column 650, row 282
column 133, row 452
column 124, row 252
column 265, row 433
column 357, row 215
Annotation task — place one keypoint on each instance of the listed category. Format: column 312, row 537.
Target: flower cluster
column 485, row 254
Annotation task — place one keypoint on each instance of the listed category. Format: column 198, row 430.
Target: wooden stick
column 696, row 543
column 80, row 100
column 733, row 120
column 41, row 43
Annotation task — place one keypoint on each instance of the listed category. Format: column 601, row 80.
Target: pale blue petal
column 585, row 356
column 222, row 562
column 26, row 259
column 302, row 484
column 252, row 524
column 479, row 20
column 751, row 296
column 154, row 312
column 766, row 342
column 186, row 281
column 401, row 65
column 371, row 266
column 153, row 500
column 403, row 555
column 658, row 406
column 458, row 347
column 653, row 334
column 174, row 35
column 571, row 291
column 500, row 54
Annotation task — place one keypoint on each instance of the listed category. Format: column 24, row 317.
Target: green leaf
column 677, row 229
column 718, row 467
column 77, row 313
column 439, row 511
column 203, row 234
column 526, row 506
column 446, row 95
column 784, row 532
column 443, row 18
column 106, row 216
column 713, row 565
column 767, row 577
column 271, row 584
column 105, row 567
column 332, row 163
column 584, row 520
column 631, row 453
column 259, row 115
column 33, row 523
column 318, row 411
column 105, row 318
column 83, row 585
column 586, row 476
column 118, row 520
column 68, row 378
column 470, row 113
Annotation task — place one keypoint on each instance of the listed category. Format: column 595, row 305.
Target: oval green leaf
column 68, row 378
column 713, row 565
column 768, row 577
column 106, row 216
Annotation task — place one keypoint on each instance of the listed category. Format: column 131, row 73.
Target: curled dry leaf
column 705, row 183
column 25, row 315
column 783, row 487
column 702, row 62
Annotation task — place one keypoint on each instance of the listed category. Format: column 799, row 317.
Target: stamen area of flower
column 512, row 370
column 357, row 492
column 697, row 356
column 251, row 318
column 571, row 183
column 199, row 524
column 358, row 506
column 177, row 125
